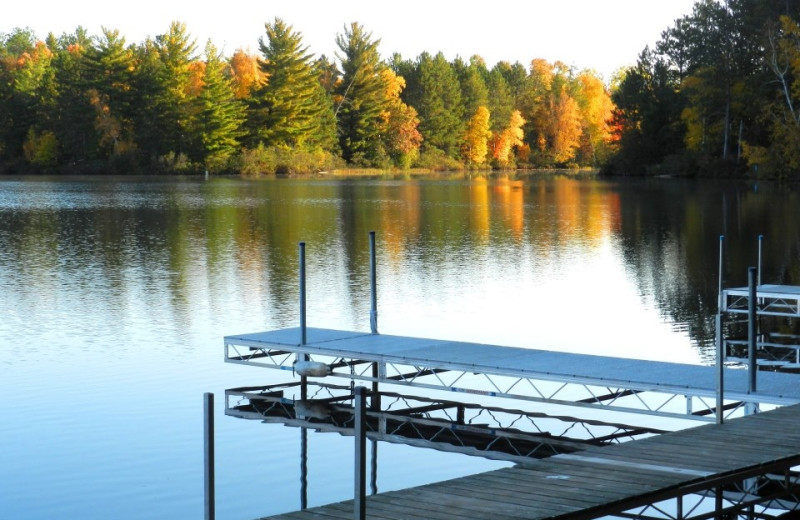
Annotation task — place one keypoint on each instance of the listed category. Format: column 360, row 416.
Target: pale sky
column 601, row 35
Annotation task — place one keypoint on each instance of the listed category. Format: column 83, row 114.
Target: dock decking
column 738, row 459
column 574, row 379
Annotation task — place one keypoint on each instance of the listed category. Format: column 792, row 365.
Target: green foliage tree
column 290, row 108
column 474, row 91
column 647, row 117
column 176, row 79
column 438, row 102
column 73, row 116
column 107, row 82
column 219, row 115
column 361, row 97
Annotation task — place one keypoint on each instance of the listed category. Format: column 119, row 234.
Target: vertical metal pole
column 719, row 339
column 760, row 242
column 208, row 415
column 719, row 284
column 303, row 357
column 373, row 313
column 303, row 468
column 751, row 331
column 375, row 405
column 720, row 372
column 360, row 475
column 302, row 293
column 373, row 474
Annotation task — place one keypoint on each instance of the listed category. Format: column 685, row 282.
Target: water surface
column 116, row 294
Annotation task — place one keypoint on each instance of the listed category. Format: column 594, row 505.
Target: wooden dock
column 618, row 479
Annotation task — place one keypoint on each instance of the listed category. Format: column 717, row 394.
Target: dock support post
column 373, row 313
column 760, row 242
column 752, row 368
column 302, row 293
column 720, row 372
column 719, row 340
column 303, row 469
column 208, row 430
column 719, row 282
column 360, row 434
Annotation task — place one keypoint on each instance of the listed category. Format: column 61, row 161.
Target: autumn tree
column 399, row 129
column 25, row 88
column 504, row 141
column 476, row 138
column 246, row 74
column 595, row 106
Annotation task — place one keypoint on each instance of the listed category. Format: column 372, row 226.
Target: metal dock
column 742, row 466
column 704, row 472
column 625, row 385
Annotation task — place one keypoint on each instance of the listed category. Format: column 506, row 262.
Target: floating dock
column 699, row 473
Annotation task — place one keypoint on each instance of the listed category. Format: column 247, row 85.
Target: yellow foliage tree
column 41, row 149
column 476, row 137
column 401, row 136
column 510, row 137
column 596, row 109
column 565, row 127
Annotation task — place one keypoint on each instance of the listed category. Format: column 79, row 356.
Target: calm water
column 115, row 295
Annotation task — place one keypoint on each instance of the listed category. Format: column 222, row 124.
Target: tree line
column 718, row 94
column 93, row 103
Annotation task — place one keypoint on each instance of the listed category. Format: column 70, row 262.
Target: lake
column 115, row 294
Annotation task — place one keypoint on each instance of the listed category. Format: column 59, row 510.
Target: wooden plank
column 444, row 507
column 591, row 490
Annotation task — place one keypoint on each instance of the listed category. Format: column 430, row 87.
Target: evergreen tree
column 474, row 91
column 220, row 114
column 500, row 102
column 107, row 78
column 73, row 118
column 175, row 75
column 361, row 97
column 439, row 104
column 290, row 108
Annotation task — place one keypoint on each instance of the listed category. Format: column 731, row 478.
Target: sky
column 602, row 35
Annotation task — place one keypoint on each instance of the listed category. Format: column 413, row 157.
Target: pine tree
column 73, row 117
column 289, row 109
column 361, row 97
column 220, row 114
column 107, row 77
column 174, row 102
column 439, row 104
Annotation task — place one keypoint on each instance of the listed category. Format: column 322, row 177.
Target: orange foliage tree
column 245, row 73
column 505, row 141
